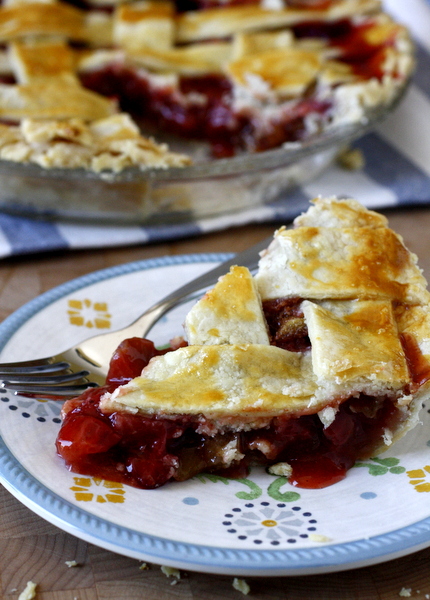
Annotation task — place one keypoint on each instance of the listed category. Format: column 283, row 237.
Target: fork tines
column 33, row 366
column 44, row 378
column 48, row 391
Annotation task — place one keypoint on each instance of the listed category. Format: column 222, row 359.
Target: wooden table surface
column 32, row 549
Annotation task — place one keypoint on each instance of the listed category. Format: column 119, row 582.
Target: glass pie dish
column 207, row 188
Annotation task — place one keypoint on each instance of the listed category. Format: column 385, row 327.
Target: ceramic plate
column 259, row 525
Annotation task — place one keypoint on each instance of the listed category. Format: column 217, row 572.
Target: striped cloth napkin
column 396, row 173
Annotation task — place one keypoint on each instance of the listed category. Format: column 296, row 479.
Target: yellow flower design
column 420, row 479
column 86, row 313
column 90, row 489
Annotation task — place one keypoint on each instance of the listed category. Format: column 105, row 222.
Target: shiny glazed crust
column 356, row 332
column 231, row 313
column 341, row 263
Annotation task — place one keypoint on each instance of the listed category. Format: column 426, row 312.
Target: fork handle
column 247, row 258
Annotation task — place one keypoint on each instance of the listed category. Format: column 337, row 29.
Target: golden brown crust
column 289, row 72
column 230, row 313
column 146, row 24
column 225, row 21
column 39, row 60
column 241, row 383
column 342, row 263
column 415, row 321
column 362, row 343
column 41, row 19
column 46, row 99
column 334, row 212
column 197, row 59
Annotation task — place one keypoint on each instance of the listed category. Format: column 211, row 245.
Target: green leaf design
column 274, row 491
column 255, row 490
column 397, row 470
column 377, row 470
column 381, row 466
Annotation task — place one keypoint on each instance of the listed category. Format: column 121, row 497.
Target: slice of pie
column 318, row 360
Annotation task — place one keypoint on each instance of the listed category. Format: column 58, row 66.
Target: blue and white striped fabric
column 397, row 173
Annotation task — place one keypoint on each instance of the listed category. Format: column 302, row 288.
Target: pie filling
column 146, row 451
column 203, row 107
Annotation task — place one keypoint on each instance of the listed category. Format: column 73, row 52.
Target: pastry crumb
column 317, row 537
column 171, row 572
column 29, row 592
column 282, row 468
column 351, row 159
column 405, row 592
column 241, row 586
column 143, row 566
column 72, row 563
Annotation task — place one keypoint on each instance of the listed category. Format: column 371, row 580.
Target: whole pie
column 319, row 359
column 81, row 79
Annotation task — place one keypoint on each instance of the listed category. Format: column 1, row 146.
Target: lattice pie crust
column 243, row 77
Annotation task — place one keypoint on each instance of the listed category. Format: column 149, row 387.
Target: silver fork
column 85, row 365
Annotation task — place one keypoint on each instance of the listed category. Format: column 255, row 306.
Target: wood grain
column 33, row 549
